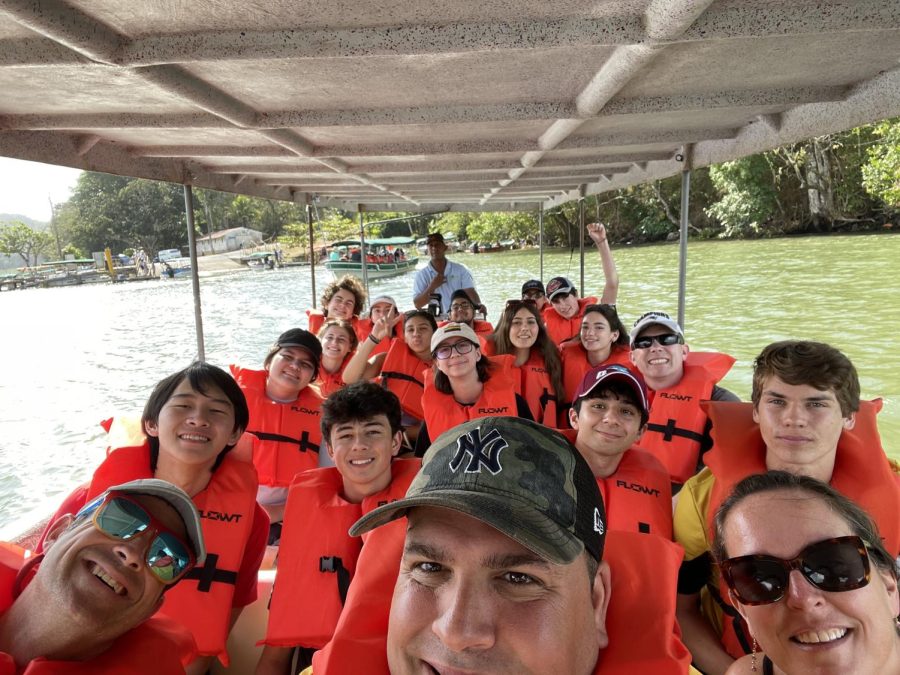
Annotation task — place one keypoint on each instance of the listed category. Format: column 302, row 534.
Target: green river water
column 73, row 356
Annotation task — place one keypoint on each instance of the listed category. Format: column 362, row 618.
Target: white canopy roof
column 415, row 105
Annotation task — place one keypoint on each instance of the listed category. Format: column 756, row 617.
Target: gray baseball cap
column 519, row 477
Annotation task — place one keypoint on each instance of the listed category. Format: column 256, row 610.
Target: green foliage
column 747, row 195
column 491, row 227
column 881, row 174
column 16, row 238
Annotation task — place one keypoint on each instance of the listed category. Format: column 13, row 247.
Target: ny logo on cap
column 482, row 451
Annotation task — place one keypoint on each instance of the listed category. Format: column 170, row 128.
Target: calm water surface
column 73, row 356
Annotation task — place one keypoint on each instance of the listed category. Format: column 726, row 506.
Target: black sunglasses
column 833, row 565
column 665, row 340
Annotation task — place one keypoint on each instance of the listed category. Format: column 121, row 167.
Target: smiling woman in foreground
column 817, row 587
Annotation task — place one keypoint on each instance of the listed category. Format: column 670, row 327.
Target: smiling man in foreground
column 503, row 567
column 83, row 605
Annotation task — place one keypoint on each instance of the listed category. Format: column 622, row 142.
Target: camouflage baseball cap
column 519, row 477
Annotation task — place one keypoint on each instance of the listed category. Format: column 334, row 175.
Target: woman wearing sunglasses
column 339, row 343
column 521, row 333
column 602, row 339
column 806, row 569
column 466, row 385
column 191, row 422
column 403, row 367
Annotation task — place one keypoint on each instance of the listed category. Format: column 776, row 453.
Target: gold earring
column 753, row 667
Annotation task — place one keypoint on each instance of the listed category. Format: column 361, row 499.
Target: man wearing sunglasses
column 85, row 603
column 462, row 310
column 678, row 380
column 806, row 418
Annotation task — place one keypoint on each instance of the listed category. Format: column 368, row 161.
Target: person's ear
column 600, row 601
column 615, row 335
column 396, row 443
column 685, row 349
column 57, row 527
column 573, row 419
column 640, row 432
column 755, row 414
column 890, row 583
column 235, row 436
column 738, row 606
column 151, row 428
column 850, row 421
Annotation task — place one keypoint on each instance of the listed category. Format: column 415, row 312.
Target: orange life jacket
column 537, row 389
column 156, row 646
column 317, row 558
column 677, row 420
column 498, row 399
column 405, row 374
column 202, row 601
column 638, row 494
column 644, row 636
column 328, row 383
column 289, row 433
column 862, row 472
column 575, row 365
column 561, row 329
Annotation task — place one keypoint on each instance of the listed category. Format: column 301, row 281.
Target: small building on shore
column 225, row 241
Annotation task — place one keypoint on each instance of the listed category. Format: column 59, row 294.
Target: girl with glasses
column 339, row 343
column 466, row 385
column 192, row 422
column 806, row 569
column 521, row 333
column 284, row 416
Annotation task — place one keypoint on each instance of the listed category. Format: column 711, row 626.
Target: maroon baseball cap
column 604, row 373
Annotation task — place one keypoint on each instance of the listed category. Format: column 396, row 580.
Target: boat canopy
column 388, row 241
column 418, row 106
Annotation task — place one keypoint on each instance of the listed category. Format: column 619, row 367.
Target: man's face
column 566, row 304
column 104, row 584
column 462, row 311
column 800, row 425
column 660, row 365
column 362, row 451
column 436, row 249
column 470, row 599
column 606, row 424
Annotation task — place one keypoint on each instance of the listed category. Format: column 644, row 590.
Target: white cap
column 450, row 330
column 654, row 319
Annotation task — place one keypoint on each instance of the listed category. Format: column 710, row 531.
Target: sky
column 25, row 186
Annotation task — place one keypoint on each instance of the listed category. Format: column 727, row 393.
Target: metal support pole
column 312, row 255
column 581, row 242
column 362, row 245
column 683, row 233
column 195, row 278
column 541, row 237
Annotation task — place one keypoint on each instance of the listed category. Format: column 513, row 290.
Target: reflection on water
column 73, row 356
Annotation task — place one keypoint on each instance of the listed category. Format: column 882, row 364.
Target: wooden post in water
column 312, row 255
column 686, row 157
column 195, row 279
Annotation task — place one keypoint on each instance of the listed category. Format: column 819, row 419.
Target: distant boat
column 385, row 257
column 263, row 260
column 176, row 268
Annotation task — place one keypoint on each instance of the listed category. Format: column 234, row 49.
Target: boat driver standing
column 443, row 277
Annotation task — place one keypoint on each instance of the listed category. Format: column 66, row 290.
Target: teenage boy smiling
column 317, row 558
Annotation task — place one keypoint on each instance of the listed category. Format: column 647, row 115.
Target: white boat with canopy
column 385, row 257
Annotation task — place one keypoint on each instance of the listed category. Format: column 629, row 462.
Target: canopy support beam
column 541, row 239
column 195, row 272
column 312, row 255
column 686, row 157
column 362, row 252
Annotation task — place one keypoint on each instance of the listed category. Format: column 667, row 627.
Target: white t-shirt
column 456, row 277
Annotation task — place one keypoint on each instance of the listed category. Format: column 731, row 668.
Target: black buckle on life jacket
column 334, row 565
column 669, row 431
column 209, row 573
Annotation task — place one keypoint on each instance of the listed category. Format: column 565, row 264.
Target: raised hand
column 597, row 232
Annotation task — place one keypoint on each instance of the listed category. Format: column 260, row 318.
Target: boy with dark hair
column 608, row 416
column 317, row 558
